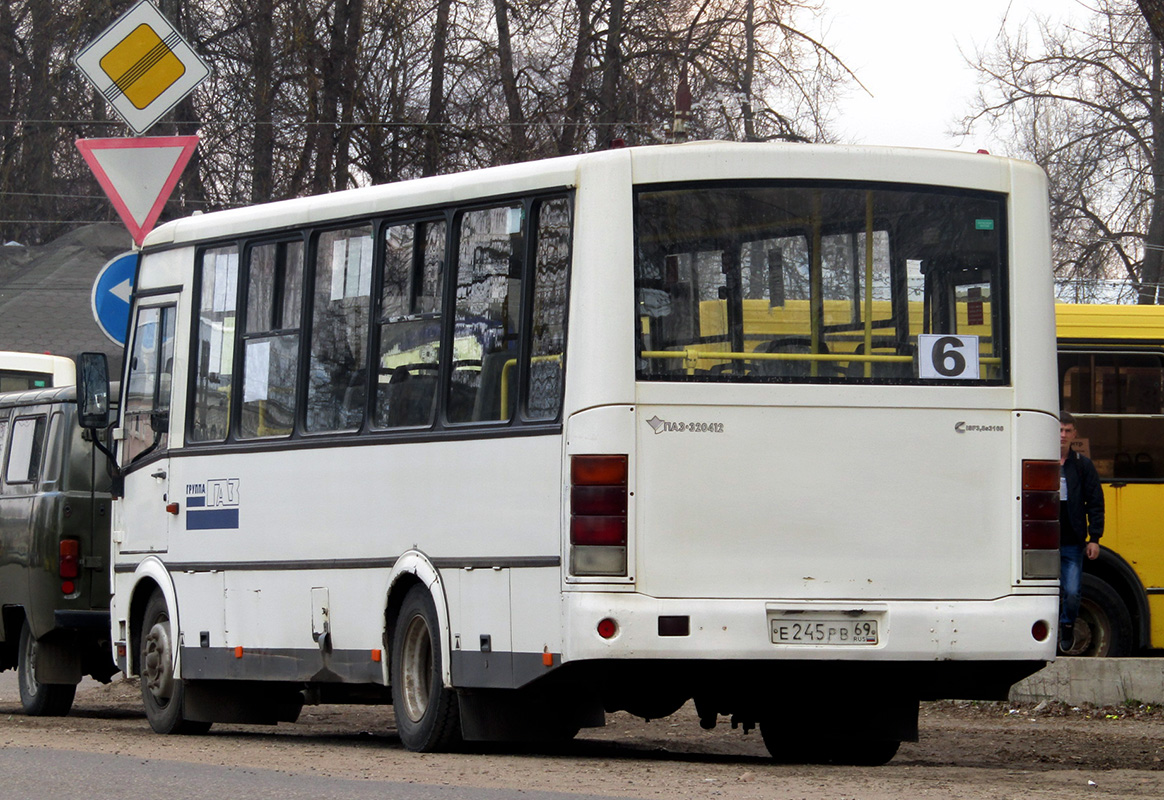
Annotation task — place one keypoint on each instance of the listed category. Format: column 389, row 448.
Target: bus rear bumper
column 1009, row 628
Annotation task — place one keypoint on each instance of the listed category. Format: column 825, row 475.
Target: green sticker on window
column 983, row 224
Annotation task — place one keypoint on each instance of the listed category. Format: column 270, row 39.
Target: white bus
column 22, row 371
column 767, row 427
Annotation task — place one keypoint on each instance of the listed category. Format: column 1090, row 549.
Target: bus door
column 145, row 423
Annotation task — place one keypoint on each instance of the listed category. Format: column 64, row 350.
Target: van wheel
column 40, row 699
column 161, row 692
column 1103, row 628
column 427, row 713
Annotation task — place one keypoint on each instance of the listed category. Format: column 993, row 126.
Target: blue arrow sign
column 111, row 293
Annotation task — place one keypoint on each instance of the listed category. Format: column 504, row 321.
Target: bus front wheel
column 1104, row 625
column 161, row 692
column 427, row 713
column 40, row 699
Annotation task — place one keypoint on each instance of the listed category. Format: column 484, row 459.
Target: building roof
column 46, row 293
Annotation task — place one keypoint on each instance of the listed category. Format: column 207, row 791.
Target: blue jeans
column 1070, row 580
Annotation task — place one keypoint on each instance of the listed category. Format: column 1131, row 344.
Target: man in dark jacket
column 1080, row 525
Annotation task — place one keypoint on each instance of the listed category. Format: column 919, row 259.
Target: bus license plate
column 824, row 631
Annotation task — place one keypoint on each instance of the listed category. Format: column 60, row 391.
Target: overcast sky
column 909, row 55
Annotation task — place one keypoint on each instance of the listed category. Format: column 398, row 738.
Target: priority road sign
column 142, row 66
column 111, row 294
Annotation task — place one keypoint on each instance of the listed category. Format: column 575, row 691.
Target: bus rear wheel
column 161, row 692
column 1103, row 628
column 40, row 699
column 427, row 713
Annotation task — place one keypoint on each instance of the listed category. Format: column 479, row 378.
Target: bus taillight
column 1040, row 519
column 598, row 514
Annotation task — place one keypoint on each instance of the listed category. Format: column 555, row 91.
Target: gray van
column 54, row 550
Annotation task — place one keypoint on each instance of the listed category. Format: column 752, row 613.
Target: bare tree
column 316, row 95
column 1086, row 103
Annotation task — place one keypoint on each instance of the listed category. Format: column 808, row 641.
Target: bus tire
column 427, row 713
column 1104, row 626
column 161, row 692
column 39, row 699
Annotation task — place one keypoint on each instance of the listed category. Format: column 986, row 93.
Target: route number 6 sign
column 945, row 357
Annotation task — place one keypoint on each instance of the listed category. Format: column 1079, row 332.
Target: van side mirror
column 92, row 391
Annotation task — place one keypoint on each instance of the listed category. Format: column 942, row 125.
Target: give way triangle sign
column 138, row 174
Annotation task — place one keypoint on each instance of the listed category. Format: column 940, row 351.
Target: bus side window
column 410, row 324
column 337, row 383
column 487, row 326
column 147, row 397
column 1119, row 402
column 271, row 339
column 548, row 332
column 214, row 358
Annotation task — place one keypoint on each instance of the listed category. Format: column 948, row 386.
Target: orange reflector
column 548, row 659
column 376, row 656
column 238, row 651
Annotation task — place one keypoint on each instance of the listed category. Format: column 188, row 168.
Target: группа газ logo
column 213, row 505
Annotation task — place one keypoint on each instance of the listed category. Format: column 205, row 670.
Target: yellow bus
column 1111, row 378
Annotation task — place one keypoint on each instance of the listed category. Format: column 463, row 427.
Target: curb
column 1098, row 681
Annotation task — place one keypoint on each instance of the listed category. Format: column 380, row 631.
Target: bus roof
column 649, row 164
column 61, row 368
column 1125, row 322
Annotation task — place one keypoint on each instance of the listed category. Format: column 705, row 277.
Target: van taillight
column 1040, row 519
column 598, row 514
column 69, row 563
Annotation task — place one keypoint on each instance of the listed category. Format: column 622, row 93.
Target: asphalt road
column 29, row 772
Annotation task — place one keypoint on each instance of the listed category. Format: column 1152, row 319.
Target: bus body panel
column 1132, row 529
column 1031, row 271
column 858, row 528
column 488, row 528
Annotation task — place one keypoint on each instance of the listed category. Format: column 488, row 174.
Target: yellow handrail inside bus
column 509, row 364
column 693, row 357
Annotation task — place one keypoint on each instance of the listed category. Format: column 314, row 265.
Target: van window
column 25, row 452
column 54, row 450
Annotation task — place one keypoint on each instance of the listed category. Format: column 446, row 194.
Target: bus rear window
column 820, row 283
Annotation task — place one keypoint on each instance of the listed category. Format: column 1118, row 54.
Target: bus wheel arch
column 415, row 569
